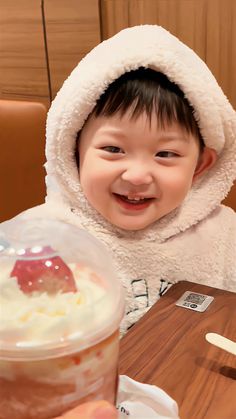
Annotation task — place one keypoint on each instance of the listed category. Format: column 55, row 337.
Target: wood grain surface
column 73, row 29
column 22, row 51
column 167, row 347
column 206, row 26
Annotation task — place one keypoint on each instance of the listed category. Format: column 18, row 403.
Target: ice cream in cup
column 60, row 309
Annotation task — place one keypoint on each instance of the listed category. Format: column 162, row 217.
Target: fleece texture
column 197, row 241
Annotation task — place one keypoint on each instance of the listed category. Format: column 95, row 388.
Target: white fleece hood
column 153, row 47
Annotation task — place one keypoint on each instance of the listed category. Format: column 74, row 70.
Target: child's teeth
column 134, row 199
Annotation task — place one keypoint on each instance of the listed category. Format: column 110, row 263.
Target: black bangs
column 146, row 90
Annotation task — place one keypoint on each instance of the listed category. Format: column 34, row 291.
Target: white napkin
column 144, row 401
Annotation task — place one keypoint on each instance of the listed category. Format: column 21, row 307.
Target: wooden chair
column 22, row 143
column 230, row 200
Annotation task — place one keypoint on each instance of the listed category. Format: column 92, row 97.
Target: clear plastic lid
column 58, row 290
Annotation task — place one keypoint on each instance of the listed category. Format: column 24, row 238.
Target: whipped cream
column 28, row 320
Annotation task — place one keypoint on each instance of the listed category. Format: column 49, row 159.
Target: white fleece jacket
column 197, row 241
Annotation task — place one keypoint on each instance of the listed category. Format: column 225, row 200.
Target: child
column 141, row 147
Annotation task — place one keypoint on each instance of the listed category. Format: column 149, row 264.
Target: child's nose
column 137, row 175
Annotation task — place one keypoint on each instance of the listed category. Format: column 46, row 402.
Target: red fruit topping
column 44, row 274
column 77, row 360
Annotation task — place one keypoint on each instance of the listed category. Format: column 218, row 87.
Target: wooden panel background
column 22, row 52
column 73, row 29
column 207, row 26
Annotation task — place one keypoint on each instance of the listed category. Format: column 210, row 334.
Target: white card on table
column 194, row 301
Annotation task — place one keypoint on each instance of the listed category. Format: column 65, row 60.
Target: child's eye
column 112, row 149
column 166, row 154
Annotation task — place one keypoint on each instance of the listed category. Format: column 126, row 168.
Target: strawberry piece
column 44, row 274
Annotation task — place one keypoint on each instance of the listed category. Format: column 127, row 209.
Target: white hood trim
column 154, row 47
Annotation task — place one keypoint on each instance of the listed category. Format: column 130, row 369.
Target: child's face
column 133, row 172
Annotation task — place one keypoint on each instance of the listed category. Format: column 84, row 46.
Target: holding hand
column 92, row 410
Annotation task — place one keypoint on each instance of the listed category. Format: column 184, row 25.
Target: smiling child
column 141, row 146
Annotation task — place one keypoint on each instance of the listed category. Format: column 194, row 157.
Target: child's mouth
column 136, row 203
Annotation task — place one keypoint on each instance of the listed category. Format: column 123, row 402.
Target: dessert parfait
column 61, row 306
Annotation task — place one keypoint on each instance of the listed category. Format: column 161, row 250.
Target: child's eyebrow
column 173, row 137
column 113, row 130
column 163, row 136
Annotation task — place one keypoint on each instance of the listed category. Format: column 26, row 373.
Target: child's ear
column 206, row 160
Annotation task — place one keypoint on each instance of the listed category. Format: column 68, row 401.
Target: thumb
column 92, row 410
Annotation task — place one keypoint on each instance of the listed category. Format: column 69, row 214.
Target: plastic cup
column 58, row 349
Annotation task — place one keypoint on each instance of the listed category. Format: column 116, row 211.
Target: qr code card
column 194, row 301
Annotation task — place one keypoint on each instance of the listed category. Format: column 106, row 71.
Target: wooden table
column 167, row 347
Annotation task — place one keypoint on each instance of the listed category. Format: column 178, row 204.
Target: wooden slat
column 221, row 44
column 114, row 16
column 184, row 18
column 73, row 29
column 22, row 53
column 206, row 26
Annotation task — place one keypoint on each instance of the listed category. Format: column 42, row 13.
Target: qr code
column 195, row 298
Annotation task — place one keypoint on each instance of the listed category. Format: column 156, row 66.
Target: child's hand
column 92, row 410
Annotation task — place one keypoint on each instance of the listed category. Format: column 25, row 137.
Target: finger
column 92, row 410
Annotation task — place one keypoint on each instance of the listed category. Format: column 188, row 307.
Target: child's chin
column 129, row 226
